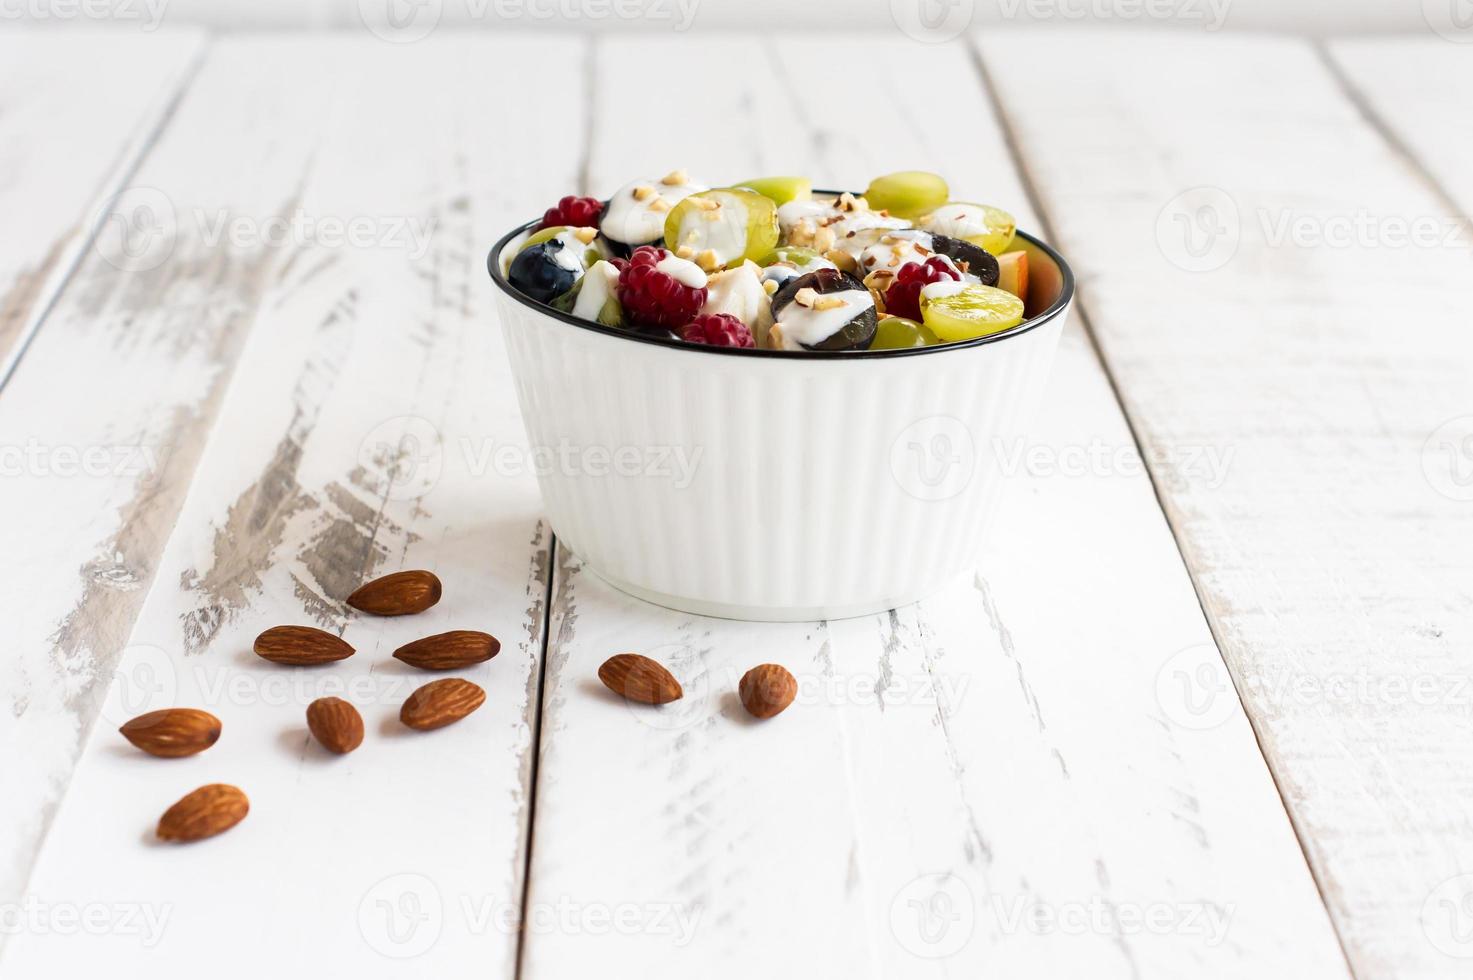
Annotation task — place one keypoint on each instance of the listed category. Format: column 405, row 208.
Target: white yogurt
column 942, row 289
column 958, row 219
column 598, row 287
column 723, row 231
column 806, row 327
column 631, row 221
column 683, row 271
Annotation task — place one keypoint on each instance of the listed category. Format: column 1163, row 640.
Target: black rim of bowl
column 1066, row 293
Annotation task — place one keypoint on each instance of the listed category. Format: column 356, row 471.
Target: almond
column 767, row 689
column 447, row 651
column 439, row 703
column 336, row 724
column 399, row 594
column 172, row 733
column 301, row 646
column 206, row 812
column 639, row 678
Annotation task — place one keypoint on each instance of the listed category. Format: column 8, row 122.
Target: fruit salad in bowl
column 765, row 401
column 770, row 264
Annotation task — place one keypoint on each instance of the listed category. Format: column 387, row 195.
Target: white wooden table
column 217, row 416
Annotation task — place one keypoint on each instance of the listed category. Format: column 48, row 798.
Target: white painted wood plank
column 353, row 440
column 1330, row 359
column 951, row 769
column 76, row 110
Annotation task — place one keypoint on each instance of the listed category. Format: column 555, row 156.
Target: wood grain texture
column 76, row 111
column 1242, row 232
column 356, row 437
column 987, row 783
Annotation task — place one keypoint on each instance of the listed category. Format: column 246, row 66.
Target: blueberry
column 545, row 270
column 980, row 262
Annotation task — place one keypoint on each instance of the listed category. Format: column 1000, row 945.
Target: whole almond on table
column 639, row 678
column 336, row 724
column 447, row 651
column 301, row 646
column 172, row 733
column 207, row 811
column 440, row 703
column 767, row 689
column 399, row 594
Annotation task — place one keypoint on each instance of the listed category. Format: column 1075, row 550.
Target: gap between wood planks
column 152, row 128
column 1382, row 128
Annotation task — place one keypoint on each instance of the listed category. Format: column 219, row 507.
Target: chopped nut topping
column 775, row 336
column 712, row 214
column 806, row 296
column 706, row 203
column 769, row 286
column 828, row 302
column 823, row 239
column 659, row 204
column 585, row 235
column 644, row 192
column 684, row 252
column 842, row 260
column 963, row 265
column 879, row 279
column 675, row 178
column 707, row 260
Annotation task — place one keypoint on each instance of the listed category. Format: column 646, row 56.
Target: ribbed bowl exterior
column 776, row 489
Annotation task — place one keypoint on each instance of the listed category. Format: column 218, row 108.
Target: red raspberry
column 577, row 212
column 718, row 330
column 904, row 295
column 654, row 298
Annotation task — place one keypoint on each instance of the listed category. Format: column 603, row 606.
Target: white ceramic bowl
column 775, row 485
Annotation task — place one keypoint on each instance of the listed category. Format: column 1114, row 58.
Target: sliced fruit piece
column 823, row 310
column 721, row 229
column 798, row 256
column 908, row 194
column 595, row 296
column 1013, row 273
column 780, row 190
column 961, row 311
column 968, row 257
column 541, row 235
column 896, row 332
column 981, row 224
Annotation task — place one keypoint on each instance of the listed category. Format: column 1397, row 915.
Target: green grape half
column 981, row 224
column 896, row 332
column 780, row 190
column 909, row 194
column 971, row 311
column 734, row 223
